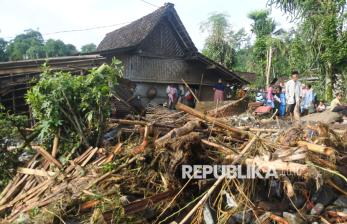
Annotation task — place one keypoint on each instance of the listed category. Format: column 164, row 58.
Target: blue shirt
column 219, row 86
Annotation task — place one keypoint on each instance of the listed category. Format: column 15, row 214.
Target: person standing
column 308, row 100
column 282, row 111
column 172, row 96
column 180, row 93
column 277, row 100
column 219, row 91
column 293, row 92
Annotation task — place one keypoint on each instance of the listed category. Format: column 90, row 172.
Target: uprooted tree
column 73, row 109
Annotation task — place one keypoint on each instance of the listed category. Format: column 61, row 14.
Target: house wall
column 162, row 41
column 206, row 93
column 160, row 60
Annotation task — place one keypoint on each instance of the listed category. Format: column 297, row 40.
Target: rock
column 325, row 195
column 341, row 202
column 292, row 218
column 241, row 217
column 326, row 117
column 317, row 209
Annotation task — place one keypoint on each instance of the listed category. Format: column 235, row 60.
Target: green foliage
column 27, row 45
column 88, row 48
column 56, row 48
column 222, row 43
column 31, row 45
column 322, row 35
column 74, row 106
column 262, row 25
column 3, row 53
column 10, row 134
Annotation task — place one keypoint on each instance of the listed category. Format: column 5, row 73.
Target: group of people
column 284, row 97
column 178, row 93
column 227, row 92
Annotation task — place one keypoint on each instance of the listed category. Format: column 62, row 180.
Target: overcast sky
column 50, row 16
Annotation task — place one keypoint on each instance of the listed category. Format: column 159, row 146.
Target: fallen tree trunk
column 328, row 151
column 220, row 148
column 178, row 132
column 279, row 166
column 208, row 118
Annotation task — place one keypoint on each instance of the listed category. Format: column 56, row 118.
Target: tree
column 70, row 49
column 55, row 48
column 322, row 28
column 77, row 107
column 88, row 48
column 28, row 45
column 263, row 26
column 3, row 53
column 222, row 42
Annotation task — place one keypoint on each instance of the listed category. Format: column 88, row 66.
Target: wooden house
column 16, row 77
column 156, row 50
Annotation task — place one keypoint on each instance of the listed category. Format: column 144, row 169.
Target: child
column 282, row 111
column 321, row 107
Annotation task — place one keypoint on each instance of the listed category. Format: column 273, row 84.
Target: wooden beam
column 36, row 172
column 47, row 156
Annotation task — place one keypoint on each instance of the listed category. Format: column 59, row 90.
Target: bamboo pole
column 47, row 156
column 191, row 91
column 202, row 200
column 244, row 150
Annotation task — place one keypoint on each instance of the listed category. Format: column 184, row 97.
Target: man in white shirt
column 293, row 92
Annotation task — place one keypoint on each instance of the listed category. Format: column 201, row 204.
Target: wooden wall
column 162, row 42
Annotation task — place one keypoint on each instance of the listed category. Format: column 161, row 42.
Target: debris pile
column 137, row 176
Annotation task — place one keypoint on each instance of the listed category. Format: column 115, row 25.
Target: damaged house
column 156, row 51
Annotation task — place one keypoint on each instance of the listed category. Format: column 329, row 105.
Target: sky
column 52, row 16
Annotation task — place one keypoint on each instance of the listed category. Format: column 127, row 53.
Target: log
column 140, row 205
column 238, row 157
column 177, row 132
column 264, row 130
column 32, row 191
column 90, row 156
column 222, row 109
column 55, row 146
column 141, row 148
column 208, row 118
column 278, row 165
column 130, row 122
column 328, row 151
column 116, row 149
column 278, row 219
column 36, row 172
column 89, row 204
column 220, row 148
column 47, row 156
column 288, row 187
